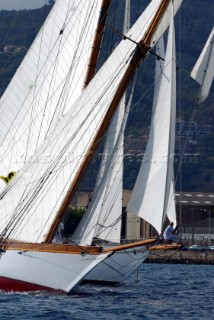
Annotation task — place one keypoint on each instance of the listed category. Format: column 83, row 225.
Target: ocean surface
column 161, row 291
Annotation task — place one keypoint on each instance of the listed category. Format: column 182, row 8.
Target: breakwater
column 181, row 257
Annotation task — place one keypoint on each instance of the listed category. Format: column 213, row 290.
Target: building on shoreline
column 195, row 212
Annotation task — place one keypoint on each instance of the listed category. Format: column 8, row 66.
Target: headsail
column 203, row 70
column 151, row 193
column 102, row 217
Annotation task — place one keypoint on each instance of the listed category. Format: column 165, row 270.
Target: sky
column 21, row 4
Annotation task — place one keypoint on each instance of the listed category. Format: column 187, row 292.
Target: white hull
column 30, row 270
column 118, row 266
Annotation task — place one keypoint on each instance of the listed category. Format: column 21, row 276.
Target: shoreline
column 181, row 257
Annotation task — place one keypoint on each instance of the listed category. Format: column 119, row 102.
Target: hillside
column 17, row 29
column 193, row 25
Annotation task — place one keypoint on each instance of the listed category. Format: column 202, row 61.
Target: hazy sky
column 21, row 4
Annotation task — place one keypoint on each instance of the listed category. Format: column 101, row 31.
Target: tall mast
column 140, row 53
column 99, row 32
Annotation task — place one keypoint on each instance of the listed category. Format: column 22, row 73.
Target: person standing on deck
column 59, row 234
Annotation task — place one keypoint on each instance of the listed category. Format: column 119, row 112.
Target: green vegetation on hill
column 19, row 29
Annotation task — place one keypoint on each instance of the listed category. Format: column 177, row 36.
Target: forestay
column 203, row 70
column 151, row 196
column 31, row 202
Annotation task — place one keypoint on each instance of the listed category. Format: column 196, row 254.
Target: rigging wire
column 34, row 88
column 54, row 164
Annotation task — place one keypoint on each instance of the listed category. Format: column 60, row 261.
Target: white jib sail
column 52, row 72
column 103, row 215
column 30, row 203
column 203, row 71
column 150, row 196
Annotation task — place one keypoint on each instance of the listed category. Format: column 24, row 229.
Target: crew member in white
column 169, row 235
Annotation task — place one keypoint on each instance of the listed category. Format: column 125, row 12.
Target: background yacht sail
column 203, row 70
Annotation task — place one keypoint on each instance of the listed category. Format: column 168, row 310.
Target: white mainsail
column 151, row 195
column 31, row 202
column 203, row 71
column 51, row 74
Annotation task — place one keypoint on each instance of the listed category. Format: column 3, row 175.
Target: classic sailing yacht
column 32, row 204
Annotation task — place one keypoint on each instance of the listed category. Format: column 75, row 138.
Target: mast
column 139, row 54
column 99, row 32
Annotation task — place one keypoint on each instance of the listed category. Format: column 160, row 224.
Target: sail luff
column 99, row 33
column 169, row 202
column 139, row 54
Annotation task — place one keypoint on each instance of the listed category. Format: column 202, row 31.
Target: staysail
column 100, row 219
column 203, row 70
column 32, row 201
column 151, row 193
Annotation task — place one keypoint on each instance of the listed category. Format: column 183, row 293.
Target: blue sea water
column 162, row 291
